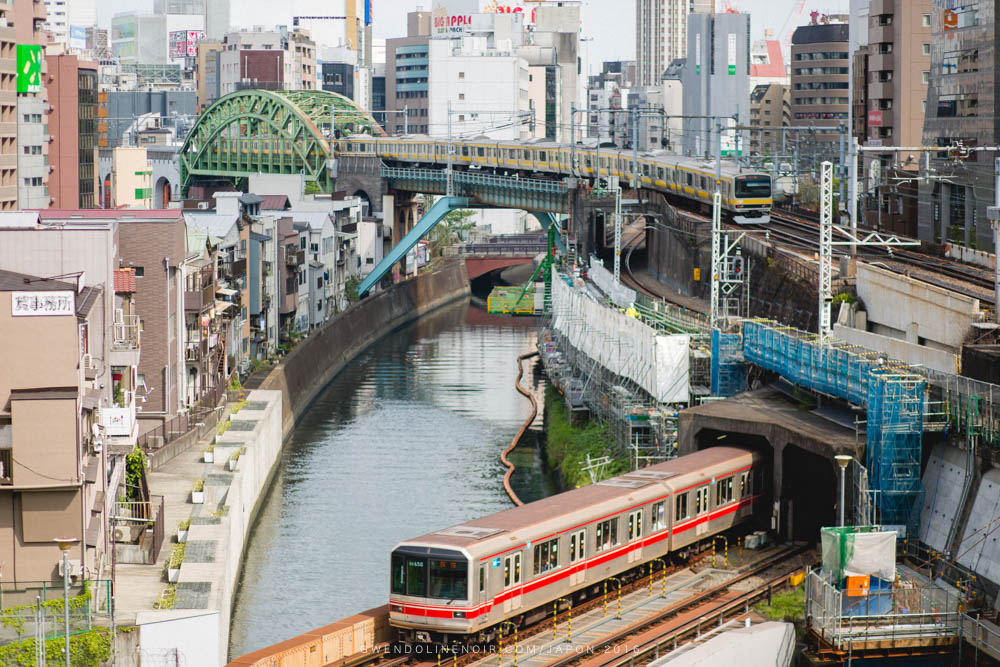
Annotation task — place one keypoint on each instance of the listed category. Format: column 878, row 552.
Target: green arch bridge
column 272, row 132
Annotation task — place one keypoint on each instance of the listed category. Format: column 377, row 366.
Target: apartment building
column 820, row 79
column 68, row 393
column 72, row 85
column 406, row 76
column 267, row 59
column 769, row 112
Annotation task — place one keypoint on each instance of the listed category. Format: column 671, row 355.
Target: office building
column 820, row 79
column 661, row 34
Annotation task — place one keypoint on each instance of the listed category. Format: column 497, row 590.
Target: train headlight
column 458, row 614
column 396, row 607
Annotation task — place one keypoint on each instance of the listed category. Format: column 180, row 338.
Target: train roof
column 502, row 526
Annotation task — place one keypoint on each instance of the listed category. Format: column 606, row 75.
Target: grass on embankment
column 567, row 446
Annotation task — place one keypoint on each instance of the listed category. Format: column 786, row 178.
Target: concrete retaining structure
column 317, row 359
column 944, row 479
column 911, row 353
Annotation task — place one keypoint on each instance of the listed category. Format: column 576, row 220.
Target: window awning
column 221, row 306
column 225, row 291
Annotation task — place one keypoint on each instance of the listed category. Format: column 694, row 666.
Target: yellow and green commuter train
column 685, row 181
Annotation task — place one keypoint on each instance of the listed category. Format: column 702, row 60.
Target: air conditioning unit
column 75, row 568
column 203, row 206
column 87, row 361
column 121, row 535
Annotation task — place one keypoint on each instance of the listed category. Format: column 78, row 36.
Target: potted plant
column 174, row 563
column 182, row 531
column 232, row 461
column 198, row 492
column 209, row 454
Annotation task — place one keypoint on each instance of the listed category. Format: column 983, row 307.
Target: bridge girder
column 272, row 132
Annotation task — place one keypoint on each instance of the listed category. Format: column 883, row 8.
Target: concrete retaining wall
column 316, row 360
column 911, row 353
column 915, row 310
column 944, row 478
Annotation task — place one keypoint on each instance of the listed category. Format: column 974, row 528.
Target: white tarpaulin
column 618, row 293
column 859, row 551
column 622, row 344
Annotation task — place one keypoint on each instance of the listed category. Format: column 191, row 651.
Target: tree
column 454, row 226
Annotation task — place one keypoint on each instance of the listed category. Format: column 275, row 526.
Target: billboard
column 875, row 118
column 184, row 43
column 77, row 37
column 368, row 11
column 29, row 68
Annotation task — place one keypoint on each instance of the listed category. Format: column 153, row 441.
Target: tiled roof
column 124, row 281
column 11, row 281
column 274, row 203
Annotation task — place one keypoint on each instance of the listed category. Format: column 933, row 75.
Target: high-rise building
column 207, row 69
column 406, row 76
column 821, row 80
column 716, row 82
column 32, row 106
column 963, row 78
column 72, row 85
column 268, row 59
column 769, row 111
column 67, row 21
column 661, row 34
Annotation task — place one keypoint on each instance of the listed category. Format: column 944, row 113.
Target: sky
column 611, row 23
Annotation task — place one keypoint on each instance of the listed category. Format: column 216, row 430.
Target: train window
column 645, row 170
column 682, row 507
column 517, row 568
column 723, row 491
column 482, row 579
column 480, row 151
column 701, row 500
column 448, row 580
column 414, row 576
column 465, row 151
column 657, row 520
column 546, row 556
column 659, row 173
column 745, row 485
column 576, row 546
column 506, row 572
column 607, row 534
column 690, row 179
column 541, row 156
column 635, row 525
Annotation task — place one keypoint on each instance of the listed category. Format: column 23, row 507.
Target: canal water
column 404, row 441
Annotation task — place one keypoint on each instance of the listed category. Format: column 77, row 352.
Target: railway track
column 644, row 641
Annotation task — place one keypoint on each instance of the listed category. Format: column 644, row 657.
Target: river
column 404, row 441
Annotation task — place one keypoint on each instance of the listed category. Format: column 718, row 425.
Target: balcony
column 881, row 62
column 880, row 90
column 125, row 341
column 119, row 422
column 879, row 33
column 295, row 258
column 199, row 290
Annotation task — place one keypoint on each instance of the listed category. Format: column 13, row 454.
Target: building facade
column 961, row 111
column 406, row 76
column 716, row 82
column 73, row 125
column 820, row 79
column 769, row 111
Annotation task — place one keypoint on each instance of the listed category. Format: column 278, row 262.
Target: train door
column 700, row 509
column 635, row 534
column 512, row 580
column 577, row 554
column 484, row 587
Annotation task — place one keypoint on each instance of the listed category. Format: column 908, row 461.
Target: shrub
column 184, row 525
column 167, row 598
column 199, row 485
column 177, row 555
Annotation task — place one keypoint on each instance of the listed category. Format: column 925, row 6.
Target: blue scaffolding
column 729, row 372
column 890, row 392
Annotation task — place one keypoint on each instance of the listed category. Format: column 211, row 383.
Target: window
column 313, row 247
column 925, row 77
column 461, row 96
column 701, row 500
column 925, row 20
column 634, row 525
column 681, row 507
column 32, row 150
column 723, row 491
column 512, row 570
column 140, row 271
column 302, row 278
column 319, row 282
column 302, row 243
column 926, row 48
column 577, row 550
column 33, row 181
column 546, row 556
column 408, row 575
column 448, row 579
column 607, row 534
column 461, row 75
column 657, row 520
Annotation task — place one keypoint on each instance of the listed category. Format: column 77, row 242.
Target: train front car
column 752, row 199
column 429, row 594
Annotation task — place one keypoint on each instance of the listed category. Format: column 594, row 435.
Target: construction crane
column 728, row 7
column 785, row 34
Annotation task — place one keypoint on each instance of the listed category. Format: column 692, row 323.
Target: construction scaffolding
column 729, row 372
column 890, row 391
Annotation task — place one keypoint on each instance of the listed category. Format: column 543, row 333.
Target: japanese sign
column 42, row 303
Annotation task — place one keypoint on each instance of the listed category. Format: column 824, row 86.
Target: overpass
column 500, row 252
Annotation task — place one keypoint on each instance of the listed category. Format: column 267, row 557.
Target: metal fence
column 905, row 612
column 35, row 609
column 142, row 518
column 180, row 425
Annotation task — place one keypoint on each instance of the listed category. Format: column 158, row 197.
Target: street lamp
column 842, row 461
column 65, row 544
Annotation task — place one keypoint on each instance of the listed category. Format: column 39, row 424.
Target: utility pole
column 843, row 161
column 853, row 197
column 406, row 119
column 635, row 147
column 618, row 235
column 825, row 251
column 572, row 139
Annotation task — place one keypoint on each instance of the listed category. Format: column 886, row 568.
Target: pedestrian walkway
column 138, row 587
